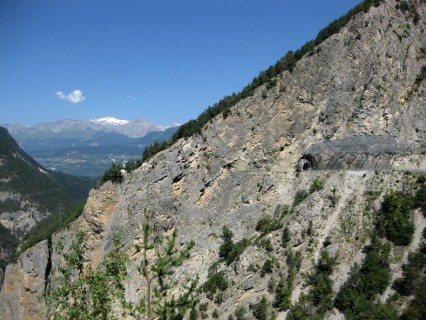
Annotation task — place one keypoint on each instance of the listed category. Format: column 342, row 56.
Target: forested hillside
column 33, row 201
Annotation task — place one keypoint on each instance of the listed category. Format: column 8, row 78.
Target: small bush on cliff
column 267, row 267
column 285, row 237
column 394, row 219
column 113, row 174
column 260, row 310
column 268, row 224
column 299, row 197
column 216, row 281
column 229, row 251
column 421, row 76
column 317, row 185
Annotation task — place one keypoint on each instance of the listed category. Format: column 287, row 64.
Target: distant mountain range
column 78, row 133
column 87, row 147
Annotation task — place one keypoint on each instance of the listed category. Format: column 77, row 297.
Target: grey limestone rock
column 352, row 95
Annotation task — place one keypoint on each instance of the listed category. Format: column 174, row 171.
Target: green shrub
column 317, row 185
column 409, row 8
column 327, row 241
column 414, row 274
column 356, row 297
column 8, row 245
column 9, row 205
column 326, row 263
column 229, row 251
column 153, row 149
column 252, row 268
column 310, row 228
column 133, row 165
column 240, row 313
column 322, row 285
column 267, row 267
column 268, row 224
column 322, row 292
column 282, row 298
column 90, row 296
column 299, row 197
column 215, row 314
column 421, row 179
column 302, row 310
column 260, row 309
column 416, row 309
column 267, row 245
column 113, row 174
column 215, row 282
column 294, row 261
column 320, row 298
column 394, row 219
column 193, row 315
column 285, row 238
column 281, row 211
column 203, row 306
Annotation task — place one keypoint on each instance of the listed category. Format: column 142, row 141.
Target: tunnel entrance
column 308, row 162
column 304, row 165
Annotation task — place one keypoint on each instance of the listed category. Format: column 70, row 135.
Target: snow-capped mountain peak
column 110, row 121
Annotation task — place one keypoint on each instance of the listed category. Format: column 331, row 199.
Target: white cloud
column 74, row 97
column 131, row 97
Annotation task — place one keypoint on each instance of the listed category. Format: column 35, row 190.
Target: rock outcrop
column 358, row 87
column 24, row 284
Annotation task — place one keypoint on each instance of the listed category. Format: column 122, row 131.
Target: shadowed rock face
column 356, row 153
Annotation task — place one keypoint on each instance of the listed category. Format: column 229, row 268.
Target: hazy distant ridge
column 76, row 133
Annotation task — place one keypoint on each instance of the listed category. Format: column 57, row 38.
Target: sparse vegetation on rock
column 229, row 250
column 394, row 219
column 357, row 297
column 86, row 294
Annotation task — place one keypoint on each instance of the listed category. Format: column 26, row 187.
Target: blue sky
column 165, row 61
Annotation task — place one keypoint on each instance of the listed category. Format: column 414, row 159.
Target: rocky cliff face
column 244, row 167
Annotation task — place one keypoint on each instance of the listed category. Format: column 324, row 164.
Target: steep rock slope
column 244, row 167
